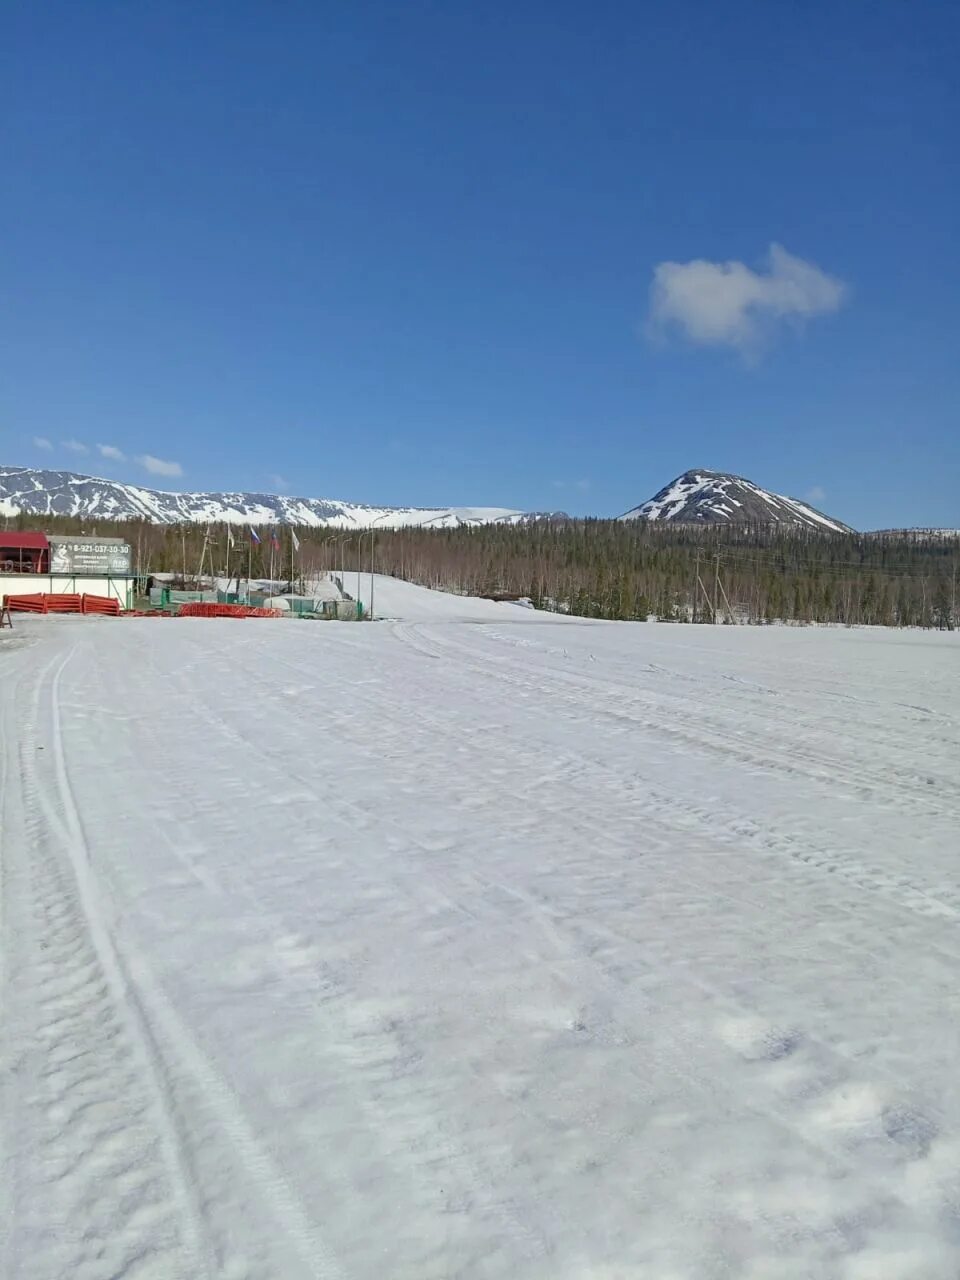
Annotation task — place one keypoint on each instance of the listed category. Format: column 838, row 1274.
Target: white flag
column 296, row 541
column 230, row 535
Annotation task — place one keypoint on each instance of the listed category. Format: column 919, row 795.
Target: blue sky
column 421, row 252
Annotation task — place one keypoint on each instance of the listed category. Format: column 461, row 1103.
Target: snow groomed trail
column 435, row 948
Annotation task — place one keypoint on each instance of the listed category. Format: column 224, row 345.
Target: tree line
column 594, row 568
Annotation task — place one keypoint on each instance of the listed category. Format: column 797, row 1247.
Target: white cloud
column 112, row 452
column 75, row 446
column 816, row 494
column 729, row 304
column 279, row 482
column 157, row 466
column 41, row 442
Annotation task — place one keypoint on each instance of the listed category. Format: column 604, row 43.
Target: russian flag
column 275, row 538
column 254, row 536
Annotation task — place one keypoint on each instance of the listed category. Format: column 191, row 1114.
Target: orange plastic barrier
column 26, row 604
column 41, row 602
column 62, row 604
column 202, row 609
column 109, row 606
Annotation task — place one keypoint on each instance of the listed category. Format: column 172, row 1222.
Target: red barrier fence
column 26, row 604
column 41, row 602
column 62, row 604
column 200, row 609
column 107, row 605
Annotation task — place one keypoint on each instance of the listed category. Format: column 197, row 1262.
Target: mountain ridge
column 698, row 497
column 39, row 492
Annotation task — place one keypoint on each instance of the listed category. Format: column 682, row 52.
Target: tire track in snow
column 10, row 820
column 169, row 1045
column 90, row 1138
column 733, row 827
column 911, row 791
column 673, row 814
column 834, row 1067
column 687, row 815
column 460, row 1164
column 814, row 1123
column 455, row 1157
column 119, row 1064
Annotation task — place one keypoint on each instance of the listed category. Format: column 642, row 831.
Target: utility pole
column 730, row 613
column 696, row 589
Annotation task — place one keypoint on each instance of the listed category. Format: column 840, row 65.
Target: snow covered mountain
column 64, row 493
column 713, row 497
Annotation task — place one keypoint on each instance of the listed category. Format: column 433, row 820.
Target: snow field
column 439, row 948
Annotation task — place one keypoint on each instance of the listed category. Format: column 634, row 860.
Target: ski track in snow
column 473, row 948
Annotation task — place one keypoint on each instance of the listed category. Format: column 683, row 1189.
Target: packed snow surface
column 478, row 949
column 394, row 599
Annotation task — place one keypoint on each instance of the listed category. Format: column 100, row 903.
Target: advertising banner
column 89, row 555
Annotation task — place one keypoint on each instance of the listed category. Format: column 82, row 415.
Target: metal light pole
column 373, row 541
column 343, row 562
column 342, row 544
column 373, row 538
column 367, row 533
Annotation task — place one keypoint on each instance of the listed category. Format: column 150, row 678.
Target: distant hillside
column 65, row 493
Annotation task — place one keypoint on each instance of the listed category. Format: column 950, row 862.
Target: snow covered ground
column 395, row 599
column 492, row 950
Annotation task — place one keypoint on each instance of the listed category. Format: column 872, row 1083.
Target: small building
column 24, row 553
column 64, row 563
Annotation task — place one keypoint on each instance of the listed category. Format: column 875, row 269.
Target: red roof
column 24, row 541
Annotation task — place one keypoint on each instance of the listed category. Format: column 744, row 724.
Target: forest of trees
column 606, row 569
column 599, row 568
